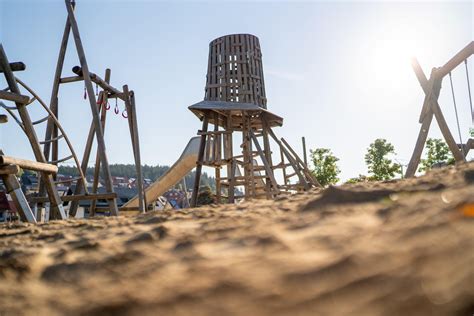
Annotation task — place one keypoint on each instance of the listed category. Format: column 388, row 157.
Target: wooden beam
column 28, row 164
column 9, row 169
column 9, row 96
column 99, row 81
column 16, row 66
column 103, row 96
column 462, row 55
column 305, row 156
column 132, row 124
column 79, row 197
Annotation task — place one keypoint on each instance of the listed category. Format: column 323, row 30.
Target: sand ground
column 395, row 248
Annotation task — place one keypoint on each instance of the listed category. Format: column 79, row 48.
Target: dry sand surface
column 396, row 248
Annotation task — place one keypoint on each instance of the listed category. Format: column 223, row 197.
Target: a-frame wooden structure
column 431, row 108
column 98, row 108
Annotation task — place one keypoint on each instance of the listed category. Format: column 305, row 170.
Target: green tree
column 381, row 167
column 438, row 154
column 325, row 167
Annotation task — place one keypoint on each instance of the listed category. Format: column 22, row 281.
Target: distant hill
column 149, row 172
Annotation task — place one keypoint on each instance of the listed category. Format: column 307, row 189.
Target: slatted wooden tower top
column 235, row 72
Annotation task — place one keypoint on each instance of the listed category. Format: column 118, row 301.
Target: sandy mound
column 397, row 248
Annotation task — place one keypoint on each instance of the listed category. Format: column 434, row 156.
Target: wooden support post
column 305, row 156
column 267, row 151
column 103, row 96
column 202, row 147
column 95, row 113
column 132, row 123
column 247, row 159
column 228, row 152
column 56, row 206
column 51, row 129
column 216, row 158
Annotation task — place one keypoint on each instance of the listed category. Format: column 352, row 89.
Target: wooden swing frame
column 432, row 87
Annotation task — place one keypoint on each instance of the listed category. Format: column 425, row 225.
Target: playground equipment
column 431, row 88
column 43, row 150
column 235, row 102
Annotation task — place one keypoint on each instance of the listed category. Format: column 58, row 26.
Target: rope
column 469, row 90
column 456, row 111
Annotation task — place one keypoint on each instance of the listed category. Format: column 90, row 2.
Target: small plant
column 205, row 196
column 325, row 167
column 438, row 155
column 380, row 167
column 360, row 178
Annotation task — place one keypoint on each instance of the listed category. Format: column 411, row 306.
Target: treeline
column 149, row 172
column 378, row 159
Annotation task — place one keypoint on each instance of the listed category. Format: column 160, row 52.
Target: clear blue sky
column 338, row 72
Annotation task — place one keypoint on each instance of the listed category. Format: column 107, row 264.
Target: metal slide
column 185, row 163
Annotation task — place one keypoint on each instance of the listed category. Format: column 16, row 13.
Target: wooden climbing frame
column 47, row 151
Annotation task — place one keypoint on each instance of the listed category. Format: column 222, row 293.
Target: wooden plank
column 78, row 197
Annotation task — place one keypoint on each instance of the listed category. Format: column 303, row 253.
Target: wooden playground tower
column 235, row 103
column 46, row 152
column 432, row 88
